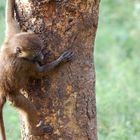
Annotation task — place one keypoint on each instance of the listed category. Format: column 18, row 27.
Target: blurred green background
column 117, row 53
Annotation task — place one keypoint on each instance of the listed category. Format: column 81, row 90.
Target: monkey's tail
column 2, row 130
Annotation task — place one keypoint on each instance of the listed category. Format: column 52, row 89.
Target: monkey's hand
column 66, row 56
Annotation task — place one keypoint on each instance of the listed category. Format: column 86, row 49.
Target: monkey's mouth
column 40, row 63
column 38, row 60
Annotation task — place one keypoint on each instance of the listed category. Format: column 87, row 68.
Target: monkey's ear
column 18, row 50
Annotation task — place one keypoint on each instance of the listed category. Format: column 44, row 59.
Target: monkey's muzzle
column 39, row 58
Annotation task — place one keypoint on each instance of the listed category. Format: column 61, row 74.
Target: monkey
column 20, row 58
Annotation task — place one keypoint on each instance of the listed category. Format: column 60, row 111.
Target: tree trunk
column 65, row 98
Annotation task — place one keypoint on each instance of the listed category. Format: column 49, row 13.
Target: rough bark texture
column 66, row 97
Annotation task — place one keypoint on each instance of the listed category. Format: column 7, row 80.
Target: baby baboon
column 20, row 58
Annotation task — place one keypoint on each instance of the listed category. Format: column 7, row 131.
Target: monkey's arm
column 66, row 56
column 11, row 25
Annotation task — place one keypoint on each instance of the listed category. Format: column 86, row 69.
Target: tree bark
column 65, row 98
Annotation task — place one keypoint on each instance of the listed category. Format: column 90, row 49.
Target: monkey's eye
column 18, row 50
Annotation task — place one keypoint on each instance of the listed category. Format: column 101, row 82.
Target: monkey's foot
column 42, row 130
column 48, row 129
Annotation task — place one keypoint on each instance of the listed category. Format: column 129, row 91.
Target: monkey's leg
column 2, row 131
column 29, row 112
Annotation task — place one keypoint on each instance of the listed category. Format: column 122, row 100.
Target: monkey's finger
column 68, row 54
column 69, row 57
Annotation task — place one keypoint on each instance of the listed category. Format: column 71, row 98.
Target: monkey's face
column 34, row 55
column 28, row 46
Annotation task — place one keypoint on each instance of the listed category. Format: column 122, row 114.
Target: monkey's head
column 28, row 46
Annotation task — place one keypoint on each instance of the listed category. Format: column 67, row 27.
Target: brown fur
column 19, row 59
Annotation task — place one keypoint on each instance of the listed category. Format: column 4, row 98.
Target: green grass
column 117, row 55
